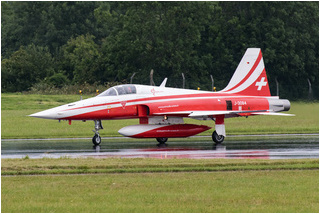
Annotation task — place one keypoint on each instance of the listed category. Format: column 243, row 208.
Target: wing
column 231, row 113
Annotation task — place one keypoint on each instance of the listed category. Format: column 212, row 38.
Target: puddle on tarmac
column 262, row 147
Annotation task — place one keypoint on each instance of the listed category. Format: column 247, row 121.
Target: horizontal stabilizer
column 273, row 114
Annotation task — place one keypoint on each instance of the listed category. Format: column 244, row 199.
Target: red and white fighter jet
column 161, row 109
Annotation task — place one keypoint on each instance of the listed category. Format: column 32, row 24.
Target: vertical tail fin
column 250, row 77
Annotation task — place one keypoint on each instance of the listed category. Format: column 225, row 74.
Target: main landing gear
column 218, row 139
column 220, row 132
column 96, row 140
column 162, row 141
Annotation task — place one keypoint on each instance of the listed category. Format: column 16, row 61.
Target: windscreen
column 109, row 92
column 126, row 89
column 119, row 90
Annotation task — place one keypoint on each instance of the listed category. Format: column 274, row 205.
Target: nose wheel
column 96, row 140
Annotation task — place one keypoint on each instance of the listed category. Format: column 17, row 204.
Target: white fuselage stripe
column 254, row 76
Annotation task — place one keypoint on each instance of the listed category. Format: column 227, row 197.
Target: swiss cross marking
column 261, row 83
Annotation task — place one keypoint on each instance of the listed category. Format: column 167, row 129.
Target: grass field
column 187, row 186
column 137, row 165
column 16, row 124
column 255, row 191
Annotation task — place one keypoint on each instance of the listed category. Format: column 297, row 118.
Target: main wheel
column 162, row 140
column 96, row 140
column 217, row 138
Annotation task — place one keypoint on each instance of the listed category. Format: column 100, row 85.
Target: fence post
column 151, row 78
column 183, row 80
column 310, row 95
column 212, row 82
column 277, row 84
column 132, row 77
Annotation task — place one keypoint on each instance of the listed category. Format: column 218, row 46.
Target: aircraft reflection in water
column 218, row 151
column 161, row 109
column 294, row 146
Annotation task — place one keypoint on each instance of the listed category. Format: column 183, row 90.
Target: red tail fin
column 250, row 77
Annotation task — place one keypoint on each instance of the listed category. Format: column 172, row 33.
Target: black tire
column 96, row 140
column 162, row 140
column 217, row 138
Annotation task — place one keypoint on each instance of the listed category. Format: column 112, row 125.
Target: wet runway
column 258, row 146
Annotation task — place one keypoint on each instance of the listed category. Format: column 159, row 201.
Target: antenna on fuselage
column 163, row 84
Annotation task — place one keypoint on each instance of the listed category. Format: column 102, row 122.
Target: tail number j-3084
column 240, row 103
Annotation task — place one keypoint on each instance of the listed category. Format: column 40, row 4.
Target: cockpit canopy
column 119, row 90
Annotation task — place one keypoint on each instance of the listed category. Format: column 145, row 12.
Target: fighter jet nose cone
column 31, row 115
column 47, row 114
column 38, row 115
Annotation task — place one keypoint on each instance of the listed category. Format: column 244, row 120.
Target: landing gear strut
column 220, row 132
column 96, row 140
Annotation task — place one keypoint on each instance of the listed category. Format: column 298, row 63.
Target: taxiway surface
column 290, row 146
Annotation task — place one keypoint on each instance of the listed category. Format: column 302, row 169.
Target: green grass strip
column 116, row 165
column 252, row 191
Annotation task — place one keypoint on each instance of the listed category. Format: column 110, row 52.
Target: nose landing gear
column 96, row 140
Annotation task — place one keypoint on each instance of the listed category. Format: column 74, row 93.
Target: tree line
column 69, row 43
